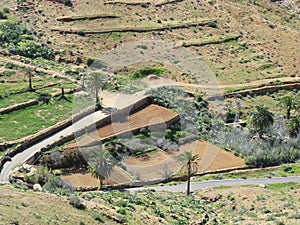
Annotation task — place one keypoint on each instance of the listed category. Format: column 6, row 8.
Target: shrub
column 122, row 211
column 98, row 217
column 212, row 24
column 144, row 5
column 6, row 10
column 67, row 3
column 76, row 202
column 39, row 176
column 147, row 71
column 44, row 97
column 80, row 33
column 56, row 184
column 2, row 15
column 30, row 49
column 90, row 61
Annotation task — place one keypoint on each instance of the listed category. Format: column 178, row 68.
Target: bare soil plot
column 86, row 179
column 150, row 115
column 157, row 164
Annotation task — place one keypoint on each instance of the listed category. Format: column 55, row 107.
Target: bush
column 80, row 33
column 76, row 202
column 147, row 71
column 30, row 49
column 6, row 10
column 40, row 176
column 67, row 3
column 11, row 33
column 122, row 211
column 2, row 15
column 90, row 61
column 56, row 184
column 212, row 24
column 98, row 217
column 44, row 97
column 144, row 5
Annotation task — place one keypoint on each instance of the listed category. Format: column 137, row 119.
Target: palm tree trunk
column 97, row 99
column 188, row 179
column 101, row 183
column 30, row 82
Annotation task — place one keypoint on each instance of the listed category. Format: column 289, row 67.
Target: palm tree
column 101, row 165
column 293, row 126
column 289, row 103
column 95, row 83
column 261, row 119
column 190, row 165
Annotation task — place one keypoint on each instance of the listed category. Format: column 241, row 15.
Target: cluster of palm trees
column 292, row 103
column 261, row 118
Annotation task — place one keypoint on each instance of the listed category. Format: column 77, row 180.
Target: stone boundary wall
column 31, row 103
column 264, row 90
column 157, row 181
column 18, row 106
column 140, row 104
column 32, row 139
column 28, row 141
column 6, row 145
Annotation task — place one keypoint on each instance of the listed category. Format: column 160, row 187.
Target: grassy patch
column 284, row 186
column 31, row 120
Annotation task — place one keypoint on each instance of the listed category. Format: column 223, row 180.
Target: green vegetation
column 18, row 40
column 124, row 84
column 101, row 165
column 214, row 206
column 261, row 119
column 95, row 83
column 15, row 126
column 147, row 71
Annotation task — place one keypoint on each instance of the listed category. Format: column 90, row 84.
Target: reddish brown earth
column 152, row 114
column 152, row 165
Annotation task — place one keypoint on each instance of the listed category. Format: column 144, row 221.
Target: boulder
column 37, row 187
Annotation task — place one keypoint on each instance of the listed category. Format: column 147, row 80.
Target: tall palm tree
column 293, row 126
column 261, row 119
column 101, row 165
column 95, row 83
column 288, row 103
column 190, row 165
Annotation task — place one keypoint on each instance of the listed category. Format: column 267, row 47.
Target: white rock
column 37, row 187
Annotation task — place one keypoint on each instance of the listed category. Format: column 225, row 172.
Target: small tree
column 293, row 126
column 101, row 165
column 261, row 119
column 95, row 84
column 29, row 73
column 190, row 165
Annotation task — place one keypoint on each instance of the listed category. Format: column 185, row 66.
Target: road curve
column 29, row 152
column 216, row 183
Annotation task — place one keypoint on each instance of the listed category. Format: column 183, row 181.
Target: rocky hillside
column 240, row 40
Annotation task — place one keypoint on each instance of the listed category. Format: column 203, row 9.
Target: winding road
column 29, row 152
column 217, row 183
